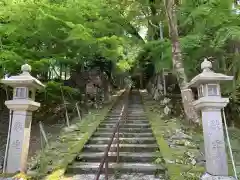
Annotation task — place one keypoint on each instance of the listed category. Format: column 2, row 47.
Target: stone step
column 123, row 130
column 127, row 121
column 146, row 168
column 126, row 176
column 123, row 157
column 130, row 117
column 130, row 121
column 124, row 125
column 131, row 134
column 135, row 111
column 122, row 147
column 114, row 120
column 135, row 108
column 124, row 140
column 138, row 149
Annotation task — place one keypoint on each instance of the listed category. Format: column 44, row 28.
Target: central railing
column 105, row 159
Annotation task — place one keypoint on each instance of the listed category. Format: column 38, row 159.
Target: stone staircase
column 138, row 148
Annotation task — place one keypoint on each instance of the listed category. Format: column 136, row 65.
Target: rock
column 179, row 161
column 167, row 110
column 207, row 176
column 166, row 100
column 71, row 128
column 180, row 135
column 180, row 142
column 172, row 145
column 162, row 102
column 189, row 154
column 193, row 162
column 169, row 161
column 190, row 144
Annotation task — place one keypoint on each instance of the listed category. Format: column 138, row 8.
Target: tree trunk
column 186, row 93
column 152, row 87
column 61, row 70
column 106, row 87
column 65, row 74
column 49, row 73
column 107, row 92
column 158, row 87
column 141, row 81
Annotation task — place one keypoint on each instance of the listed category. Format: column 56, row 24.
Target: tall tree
column 177, row 60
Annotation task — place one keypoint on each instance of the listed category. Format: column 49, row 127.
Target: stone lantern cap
column 24, row 79
column 208, row 76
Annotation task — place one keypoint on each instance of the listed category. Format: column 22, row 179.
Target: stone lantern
column 210, row 103
column 22, row 105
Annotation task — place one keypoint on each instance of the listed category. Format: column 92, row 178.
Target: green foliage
column 55, row 90
column 55, row 37
column 156, row 52
column 124, row 65
column 76, row 31
column 224, row 34
column 51, row 99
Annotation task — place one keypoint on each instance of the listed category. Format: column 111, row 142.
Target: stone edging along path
column 51, row 163
column 179, row 148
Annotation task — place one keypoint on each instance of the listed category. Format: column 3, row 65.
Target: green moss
column 173, row 171
column 163, row 127
column 7, row 175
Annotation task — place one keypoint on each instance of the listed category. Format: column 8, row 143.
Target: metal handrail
column 116, row 131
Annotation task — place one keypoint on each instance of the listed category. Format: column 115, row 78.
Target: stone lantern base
column 207, row 176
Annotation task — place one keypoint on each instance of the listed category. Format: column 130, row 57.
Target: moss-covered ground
column 179, row 145
column 183, row 155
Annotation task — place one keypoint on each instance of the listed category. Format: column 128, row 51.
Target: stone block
column 207, row 176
